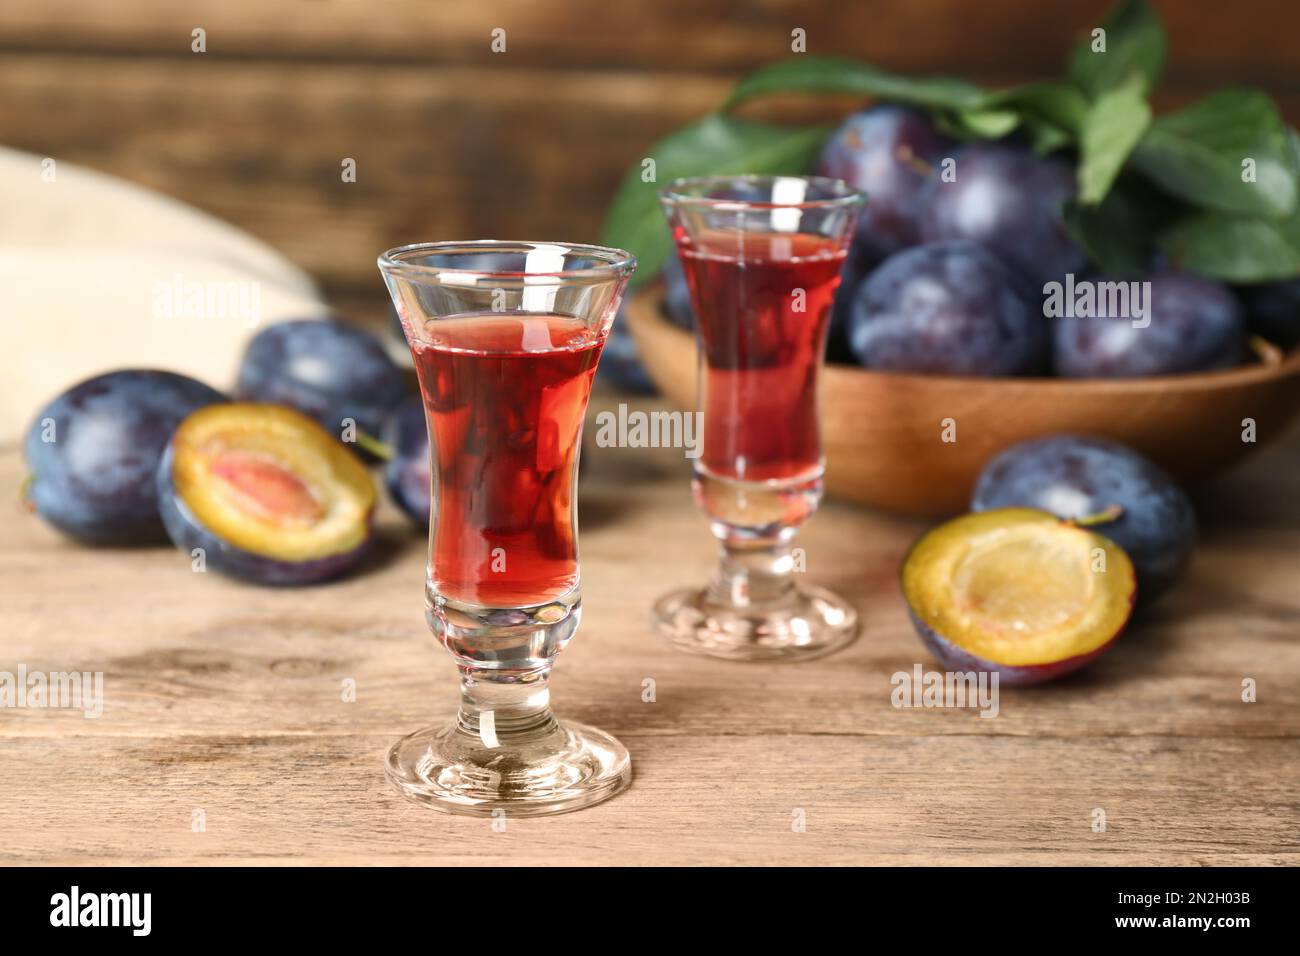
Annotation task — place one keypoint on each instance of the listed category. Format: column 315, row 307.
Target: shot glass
column 505, row 337
column 762, row 257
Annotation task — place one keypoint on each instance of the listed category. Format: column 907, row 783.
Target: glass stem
column 753, row 571
column 497, row 707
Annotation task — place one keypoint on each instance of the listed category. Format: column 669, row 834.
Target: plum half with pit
column 327, row 369
column 1169, row 324
column 1006, row 198
column 892, row 153
column 94, row 449
column 407, row 472
column 947, row 308
column 1017, row 592
column 1080, row 477
column 265, row 494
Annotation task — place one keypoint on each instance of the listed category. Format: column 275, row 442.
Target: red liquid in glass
column 762, row 345
column 505, row 396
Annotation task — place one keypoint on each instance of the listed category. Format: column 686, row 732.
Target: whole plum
column 677, row 294
column 1189, row 324
column 1008, row 199
column 407, row 472
column 93, row 452
column 620, row 363
column 325, row 368
column 620, row 360
column 891, row 153
column 946, row 308
column 1074, row 476
column 857, row 265
column 1273, row 311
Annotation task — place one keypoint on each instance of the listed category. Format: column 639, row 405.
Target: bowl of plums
column 1048, row 260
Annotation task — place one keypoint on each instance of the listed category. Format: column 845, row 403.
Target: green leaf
column 1050, row 113
column 1116, row 234
column 1235, row 248
column 1044, row 138
column 1057, row 104
column 824, row 74
column 1198, row 153
column 1135, row 47
column 1111, row 129
column 714, row 146
column 982, row 123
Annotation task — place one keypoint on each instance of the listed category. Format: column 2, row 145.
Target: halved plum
column 267, row 493
column 1018, row 592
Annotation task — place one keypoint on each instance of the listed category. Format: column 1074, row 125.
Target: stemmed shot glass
column 505, row 337
column 762, row 257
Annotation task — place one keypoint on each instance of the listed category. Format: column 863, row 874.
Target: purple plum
column 407, row 472
column 1074, row 476
column 1175, row 322
column 948, row 308
column 1006, row 198
column 93, row 452
column 325, row 368
column 891, row 153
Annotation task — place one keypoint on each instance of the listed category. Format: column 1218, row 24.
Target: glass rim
column 612, row 262
column 672, row 193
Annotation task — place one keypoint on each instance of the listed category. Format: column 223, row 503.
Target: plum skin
column 95, row 481
column 956, row 659
column 857, row 265
column 948, row 308
column 407, row 473
column 892, row 154
column 1273, row 311
column 620, row 360
column 188, row 533
column 1008, row 199
column 326, row 369
column 1195, row 324
column 677, row 294
column 1076, row 476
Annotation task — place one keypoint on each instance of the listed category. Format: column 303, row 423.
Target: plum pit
column 266, row 489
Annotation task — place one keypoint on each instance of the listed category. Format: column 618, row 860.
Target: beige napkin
column 97, row 273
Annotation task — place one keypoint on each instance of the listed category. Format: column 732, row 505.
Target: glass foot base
column 811, row 623
column 567, row 767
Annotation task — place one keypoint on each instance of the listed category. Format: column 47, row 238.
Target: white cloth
column 97, row 273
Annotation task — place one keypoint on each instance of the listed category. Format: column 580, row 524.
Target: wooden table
column 224, row 703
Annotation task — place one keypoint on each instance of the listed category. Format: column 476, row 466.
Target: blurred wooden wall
column 452, row 140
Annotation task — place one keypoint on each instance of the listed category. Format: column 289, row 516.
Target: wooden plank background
column 454, row 141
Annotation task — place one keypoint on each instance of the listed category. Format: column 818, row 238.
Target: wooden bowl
column 883, row 431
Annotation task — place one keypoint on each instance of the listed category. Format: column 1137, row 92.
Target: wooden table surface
column 226, row 699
